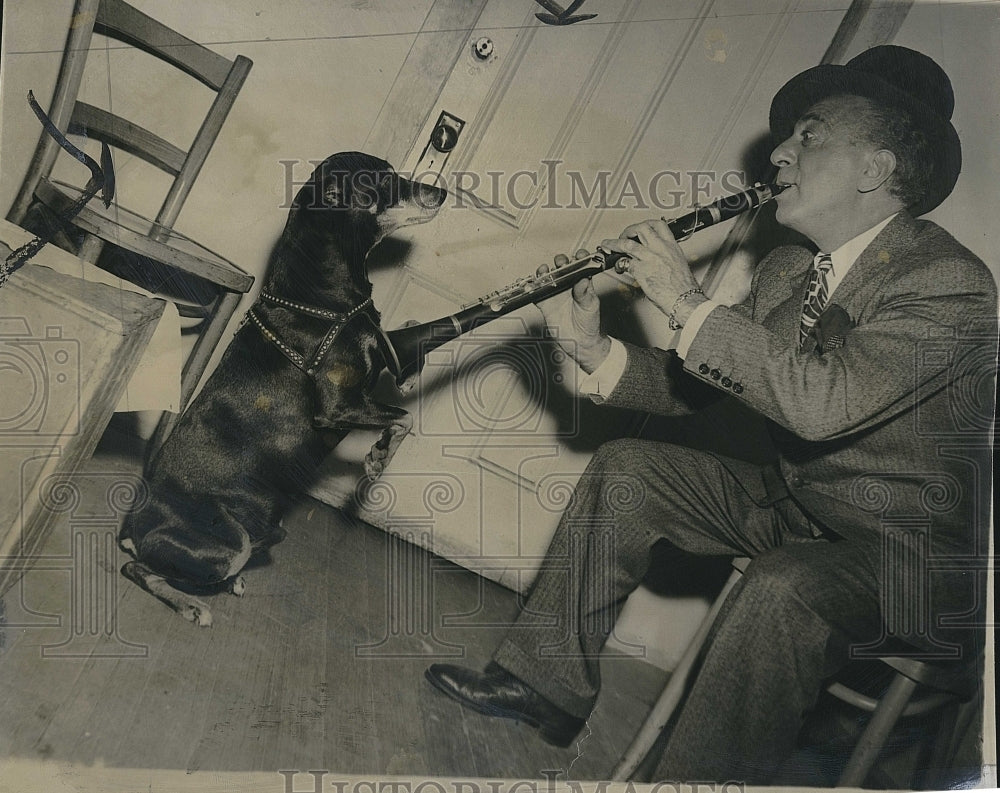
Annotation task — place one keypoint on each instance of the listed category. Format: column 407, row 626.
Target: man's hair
column 894, row 129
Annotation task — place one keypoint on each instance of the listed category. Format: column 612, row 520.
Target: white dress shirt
column 602, row 381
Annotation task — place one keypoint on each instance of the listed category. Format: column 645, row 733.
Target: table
column 68, row 348
column 156, row 382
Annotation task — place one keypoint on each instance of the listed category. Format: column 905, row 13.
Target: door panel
column 654, row 101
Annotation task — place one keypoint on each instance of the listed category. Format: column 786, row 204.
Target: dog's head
column 366, row 192
column 351, row 201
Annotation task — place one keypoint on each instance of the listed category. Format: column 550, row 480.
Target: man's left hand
column 658, row 266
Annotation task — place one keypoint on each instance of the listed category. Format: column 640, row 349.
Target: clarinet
column 410, row 345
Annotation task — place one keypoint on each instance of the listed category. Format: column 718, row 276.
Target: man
column 830, row 348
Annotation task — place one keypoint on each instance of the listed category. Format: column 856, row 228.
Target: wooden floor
column 319, row 666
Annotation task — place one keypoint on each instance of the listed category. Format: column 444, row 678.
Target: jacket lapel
column 782, row 312
column 875, row 265
column 867, row 277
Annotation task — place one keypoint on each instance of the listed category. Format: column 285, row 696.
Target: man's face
column 823, row 160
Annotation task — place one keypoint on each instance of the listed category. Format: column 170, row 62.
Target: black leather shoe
column 496, row 692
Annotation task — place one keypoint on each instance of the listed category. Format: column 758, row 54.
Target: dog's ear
column 334, row 192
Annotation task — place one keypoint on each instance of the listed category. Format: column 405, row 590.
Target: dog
column 297, row 377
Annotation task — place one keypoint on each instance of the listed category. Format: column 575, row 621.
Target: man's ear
column 881, row 166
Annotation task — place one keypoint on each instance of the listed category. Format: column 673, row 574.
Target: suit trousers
column 787, row 625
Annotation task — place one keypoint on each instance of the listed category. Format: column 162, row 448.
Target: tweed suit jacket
column 892, row 426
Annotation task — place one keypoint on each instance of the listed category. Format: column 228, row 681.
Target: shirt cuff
column 599, row 384
column 693, row 325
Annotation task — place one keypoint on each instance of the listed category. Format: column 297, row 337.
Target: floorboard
column 319, row 666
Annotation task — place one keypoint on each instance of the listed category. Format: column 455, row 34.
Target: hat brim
column 820, row 82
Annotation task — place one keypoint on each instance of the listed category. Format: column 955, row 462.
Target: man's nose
column 783, row 154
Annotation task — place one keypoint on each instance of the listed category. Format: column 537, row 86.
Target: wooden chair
column 150, row 253
column 916, row 689
column 939, row 686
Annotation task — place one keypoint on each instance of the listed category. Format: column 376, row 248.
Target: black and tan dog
column 297, row 377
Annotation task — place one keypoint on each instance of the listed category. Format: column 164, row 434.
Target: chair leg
column 890, row 708
column 90, row 250
column 194, row 366
column 665, row 705
column 950, row 733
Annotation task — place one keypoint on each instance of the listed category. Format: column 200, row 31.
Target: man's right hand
column 574, row 319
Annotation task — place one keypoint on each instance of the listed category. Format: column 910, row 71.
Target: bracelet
column 672, row 322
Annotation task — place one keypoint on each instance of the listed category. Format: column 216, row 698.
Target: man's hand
column 574, row 319
column 658, row 266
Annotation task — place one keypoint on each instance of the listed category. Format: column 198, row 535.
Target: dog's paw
column 238, row 586
column 379, row 455
column 373, row 467
column 198, row 613
column 407, row 385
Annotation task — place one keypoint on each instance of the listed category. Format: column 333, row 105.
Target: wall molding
column 422, row 77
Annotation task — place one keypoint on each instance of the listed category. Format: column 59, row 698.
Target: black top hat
column 894, row 77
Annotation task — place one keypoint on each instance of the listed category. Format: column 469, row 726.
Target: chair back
column 120, row 21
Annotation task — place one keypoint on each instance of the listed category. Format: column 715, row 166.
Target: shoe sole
column 514, row 715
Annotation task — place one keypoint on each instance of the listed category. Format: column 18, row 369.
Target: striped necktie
column 816, row 295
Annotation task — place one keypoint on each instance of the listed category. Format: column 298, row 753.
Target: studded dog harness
column 338, row 323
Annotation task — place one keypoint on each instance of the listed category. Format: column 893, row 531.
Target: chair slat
column 126, row 24
column 95, row 122
column 203, row 142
